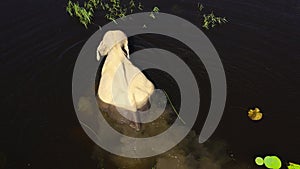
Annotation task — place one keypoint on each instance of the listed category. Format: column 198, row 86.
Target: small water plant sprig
column 175, row 111
column 132, row 6
column 200, row 7
column 140, row 6
column 154, row 11
column 210, row 20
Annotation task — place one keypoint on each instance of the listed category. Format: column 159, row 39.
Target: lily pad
column 259, row 161
column 272, row 162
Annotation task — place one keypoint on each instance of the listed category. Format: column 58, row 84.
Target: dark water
column 40, row 42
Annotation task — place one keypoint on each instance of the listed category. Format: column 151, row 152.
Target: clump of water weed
column 210, row 20
column 113, row 9
column 84, row 14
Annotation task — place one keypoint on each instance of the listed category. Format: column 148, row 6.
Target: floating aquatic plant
column 113, row 9
column 200, row 7
column 259, row 161
column 132, row 6
column 140, row 6
column 154, row 11
column 210, row 20
column 174, row 107
column 293, row 166
column 91, row 4
column 254, row 114
column 84, row 15
column 272, row 162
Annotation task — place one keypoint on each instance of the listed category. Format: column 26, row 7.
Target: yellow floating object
column 255, row 114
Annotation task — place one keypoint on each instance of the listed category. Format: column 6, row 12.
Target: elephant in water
column 123, row 88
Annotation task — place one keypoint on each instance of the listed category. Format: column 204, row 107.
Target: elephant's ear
column 102, row 50
column 98, row 55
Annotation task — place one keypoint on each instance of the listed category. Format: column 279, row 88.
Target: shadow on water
column 258, row 47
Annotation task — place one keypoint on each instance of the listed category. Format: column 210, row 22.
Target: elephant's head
column 111, row 39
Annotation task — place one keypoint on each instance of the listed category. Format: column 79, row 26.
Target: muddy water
column 258, row 47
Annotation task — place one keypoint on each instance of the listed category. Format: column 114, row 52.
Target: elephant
column 123, row 87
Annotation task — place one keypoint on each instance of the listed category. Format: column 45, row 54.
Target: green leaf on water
column 272, row 162
column 293, row 166
column 131, row 5
column 200, row 7
column 259, row 161
column 140, row 6
column 154, row 11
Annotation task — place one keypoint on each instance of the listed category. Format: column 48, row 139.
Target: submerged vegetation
column 114, row 9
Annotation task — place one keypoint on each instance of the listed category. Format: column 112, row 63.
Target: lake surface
column 259, row 48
